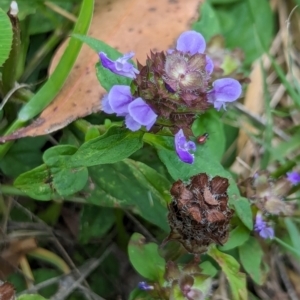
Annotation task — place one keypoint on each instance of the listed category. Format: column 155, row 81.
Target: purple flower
column 142, row 285
column 224, row 90
column 192, row 42
column 265, row 231
column 293, row 177
column 120, row 66
column 183, row 147
column 137, row 112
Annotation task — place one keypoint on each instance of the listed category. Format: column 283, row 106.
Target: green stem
column 5, row 147
column 56, row 81
column 11, row 190
column 282, row 170
column 52, row 87
column 287, row 246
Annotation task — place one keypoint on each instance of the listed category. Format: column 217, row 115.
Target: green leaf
column 251, row 256
column 208, row 25
column 211, row 123
column 95, row 222
column 23, row 156
column 55, row 82
column 31, row 297
column 6, row 36
column 230, row 267
column 207, row 268
column 222, row 1
column 243, row 210
column 131, row 184
column 66, row 180
column 57, row 155
column 237, row 237
column 293, row 232
column 115, row 145
column 243, row 27
column 42, row 274
column 204, row 161
column 138, row 294
column 69, row 181
column 145, row 259
column 36, row 183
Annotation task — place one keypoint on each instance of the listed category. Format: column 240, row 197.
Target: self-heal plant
column 170, row 91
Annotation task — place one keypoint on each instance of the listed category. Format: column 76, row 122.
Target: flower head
column 120, row 66
column 293, row 177
column 199, row 214
column 224, row 90
column 183, row 147
column 137, row 112
column 265, row 231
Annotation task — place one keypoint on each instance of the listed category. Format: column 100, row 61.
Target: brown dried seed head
column 199, row 214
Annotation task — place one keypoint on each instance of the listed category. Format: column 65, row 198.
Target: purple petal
column 192, row 42
column 106, row 106
column 149, row 126
column 259, row 222
column 224, row 90
column 267, row 233
column 141, row 112
column 293, row 177
column 183, row 147
column 131, row 124
column 145, row 286
column 120, row 66
column 119, row 98
column 209, row 65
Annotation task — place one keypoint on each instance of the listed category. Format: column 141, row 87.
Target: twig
column 285, row 279
column 10, row 93
column 241, row 108
column 69, row 285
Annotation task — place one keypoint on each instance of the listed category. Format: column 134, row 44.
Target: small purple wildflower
column 293, row 177
column 144, row 286
column 265, row 231
column 137, row 112
column 183, row 147
column 120, row 66
column 224, row 90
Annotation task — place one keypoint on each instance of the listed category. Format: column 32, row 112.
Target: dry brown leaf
column 128, row 25
column 11, row 256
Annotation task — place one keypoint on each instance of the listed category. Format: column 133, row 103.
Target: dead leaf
column 11, row 256
column 128, row 25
